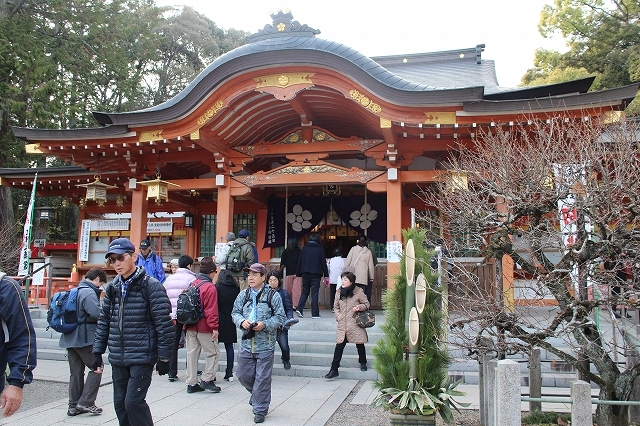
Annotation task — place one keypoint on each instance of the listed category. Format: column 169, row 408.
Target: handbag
column 365, row 319
column 183, row 338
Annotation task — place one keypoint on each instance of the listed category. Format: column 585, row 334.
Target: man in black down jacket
column 312, row 265
column 136, row 324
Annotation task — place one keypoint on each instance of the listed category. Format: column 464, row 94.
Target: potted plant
column 412, row 380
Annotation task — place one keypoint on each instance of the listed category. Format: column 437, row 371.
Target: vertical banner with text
column 25, row 248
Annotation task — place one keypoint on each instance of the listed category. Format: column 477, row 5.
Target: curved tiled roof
column 301, row 50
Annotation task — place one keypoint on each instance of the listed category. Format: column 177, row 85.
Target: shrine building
column 283, row 136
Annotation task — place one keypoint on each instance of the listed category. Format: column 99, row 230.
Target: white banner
column 159, row 227
column 85, row 236
column 110, row 225
column 25, row 249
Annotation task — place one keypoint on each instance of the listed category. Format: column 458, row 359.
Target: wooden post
column 535, row 380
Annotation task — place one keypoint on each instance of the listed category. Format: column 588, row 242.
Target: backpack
column 270, row 293
column 234, row 262
column 62, row 315
column 188, row 305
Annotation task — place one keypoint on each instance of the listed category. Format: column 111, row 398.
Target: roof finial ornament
column 283, row 26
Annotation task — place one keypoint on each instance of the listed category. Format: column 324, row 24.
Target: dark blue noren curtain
column 359, row 216
column 303, row 215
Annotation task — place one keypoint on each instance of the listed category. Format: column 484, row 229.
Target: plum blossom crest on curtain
column 368, row 218
column 303, row 214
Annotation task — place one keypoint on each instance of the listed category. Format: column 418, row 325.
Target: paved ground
column 296, row 400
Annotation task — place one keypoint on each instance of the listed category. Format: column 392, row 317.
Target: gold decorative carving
column 195, row 135
column 150, row 136
column 251, row 150
column 320, row 136
column 210, row 112
column 306, row 169
column 253, row 180
column 385, row 123
column 365, row 101
column 33, row 148
column 284, row 80
column 440, row 118
column 365, row 144
column 361, row 176
column 281, row 26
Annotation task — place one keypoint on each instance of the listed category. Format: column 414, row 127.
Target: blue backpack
column 62, row 315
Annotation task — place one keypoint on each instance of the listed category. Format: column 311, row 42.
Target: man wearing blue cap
column 151, row 261
column 135, row 322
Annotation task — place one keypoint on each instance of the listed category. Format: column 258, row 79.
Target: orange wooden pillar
column 224, row 213
column 139, row 212
column 394, row 226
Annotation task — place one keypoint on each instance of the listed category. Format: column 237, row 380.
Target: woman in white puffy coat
column 175, row 284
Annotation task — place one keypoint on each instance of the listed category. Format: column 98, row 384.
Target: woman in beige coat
column 361, row 258
column 349, row 300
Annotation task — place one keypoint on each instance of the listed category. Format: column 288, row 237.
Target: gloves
column 97, row 362
column 162, row 367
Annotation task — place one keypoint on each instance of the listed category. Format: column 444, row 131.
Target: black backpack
column 188, row 306
column 270, row 293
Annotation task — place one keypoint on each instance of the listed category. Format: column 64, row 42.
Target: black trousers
column 337, row 354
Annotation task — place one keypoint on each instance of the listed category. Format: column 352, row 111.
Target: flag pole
column 25, row 248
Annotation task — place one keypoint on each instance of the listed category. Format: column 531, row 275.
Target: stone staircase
column 312, row 342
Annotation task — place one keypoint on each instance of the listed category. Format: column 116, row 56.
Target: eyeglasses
column 120, row 257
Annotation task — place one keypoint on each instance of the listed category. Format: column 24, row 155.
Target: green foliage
column 603, row 39
column 541, row 418
column 430, row 391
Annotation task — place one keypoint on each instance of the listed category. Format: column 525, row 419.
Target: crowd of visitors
column 142, row 300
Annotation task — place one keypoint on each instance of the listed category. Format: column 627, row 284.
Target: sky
column 508, row 28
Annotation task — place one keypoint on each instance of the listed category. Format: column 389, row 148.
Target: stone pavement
column 295, row 400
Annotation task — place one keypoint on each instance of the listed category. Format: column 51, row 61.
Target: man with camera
column 258, row 311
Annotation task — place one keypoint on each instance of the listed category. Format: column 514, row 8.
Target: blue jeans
column 130, row 386
column 254, row 373
column 310, row 283
column 283, row 342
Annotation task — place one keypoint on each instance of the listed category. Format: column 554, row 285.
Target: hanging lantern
column 158, row 189
column 188, row 220
column 96, row 191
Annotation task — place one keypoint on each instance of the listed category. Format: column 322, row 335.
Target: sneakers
column 258, row 418
column 228, row 376
column 172, row 378
column 210, row 386
column 299, row 314
column 194, row 388
column 363, row 366
column 91, row 409
column 73, row 411
column 331, row 374
column 316, row 317
column 287, row 365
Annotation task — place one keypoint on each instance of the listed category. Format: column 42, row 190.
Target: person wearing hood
column 79, row 343
column 312, row 265
column 175, row 284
